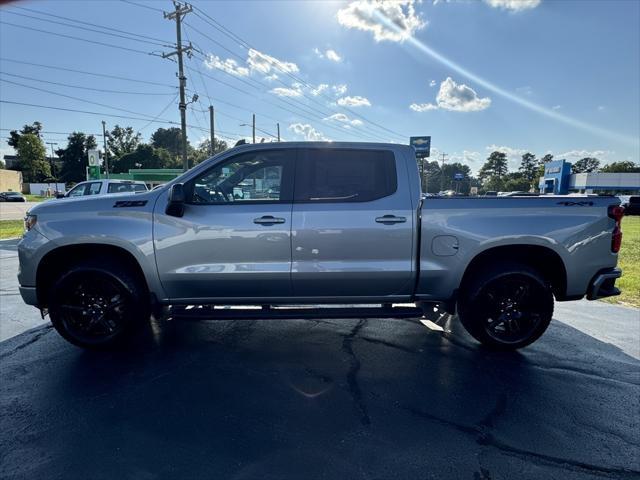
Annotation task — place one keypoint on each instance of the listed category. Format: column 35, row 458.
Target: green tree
column 2, row 165
column 145, row 156
column 516, row 182
column 529, row 169
column 495, row 166
column 122, row 140
column 74, row 156
column 202, row 152
column 14, row 136
column 543, row 161
column 32, row 156
column 432, row 176
column 586, row 165
column 169, row 139
column 621, row 167
column 449, row 171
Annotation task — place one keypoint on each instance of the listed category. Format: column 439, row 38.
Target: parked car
column 104, row 187
column 490, row 193
column 633, row 206
column 12, row 197
column 348, row 226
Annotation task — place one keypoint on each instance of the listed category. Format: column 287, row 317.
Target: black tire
column 506, row 306
column 96, row 304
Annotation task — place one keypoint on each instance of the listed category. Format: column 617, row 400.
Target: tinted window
column 94, row 188
column 78, row 190
column 251, row 177
column 126, row 187
column 345, row 176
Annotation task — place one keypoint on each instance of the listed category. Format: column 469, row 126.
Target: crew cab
column 287, row 225
column 104, row 187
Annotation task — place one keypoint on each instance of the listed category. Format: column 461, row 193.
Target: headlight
column 30, row 221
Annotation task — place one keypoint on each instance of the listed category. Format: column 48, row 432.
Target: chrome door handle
column 268, row 220
column 390, row 219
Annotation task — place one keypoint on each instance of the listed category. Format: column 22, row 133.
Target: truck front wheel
column 507, row 306
column 96, row 304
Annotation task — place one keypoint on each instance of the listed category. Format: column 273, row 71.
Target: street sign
column 458, row 176
column 422, row 145
column 474, row 191
column 94, row 158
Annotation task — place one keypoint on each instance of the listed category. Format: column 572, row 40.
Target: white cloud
column 294, row 91
column 460, row 98
column 307, row 131
column 319, row 89
column 339, row 89
column 229, row 65
column 355, row 101
column 333, row 56
column 271, row 78
column 601, row 108
column 578, row 154
column 509, row 151
column 513, row 5
column 263, row 63
column 454, row 97
column 422, row 107
column 375, row 16
column 556, row 107
column 318, row 52
column 342, row 118
column 432, row 83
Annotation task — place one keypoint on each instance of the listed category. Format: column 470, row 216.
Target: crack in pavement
column 352, row 374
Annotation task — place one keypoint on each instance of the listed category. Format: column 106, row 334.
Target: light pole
column 51, row 164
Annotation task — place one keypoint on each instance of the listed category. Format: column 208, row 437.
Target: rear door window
column 126, row 187
column 94, row 188
column 335, row 175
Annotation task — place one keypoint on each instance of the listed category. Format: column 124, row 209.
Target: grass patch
column 629, row 262
column 11, row 229
column 35, row 198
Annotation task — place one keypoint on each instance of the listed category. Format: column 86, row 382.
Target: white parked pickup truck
column 291, row 224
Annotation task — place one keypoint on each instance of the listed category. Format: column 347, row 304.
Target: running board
column 205, row 312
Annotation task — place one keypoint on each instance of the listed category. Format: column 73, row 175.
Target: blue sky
column 558, row 76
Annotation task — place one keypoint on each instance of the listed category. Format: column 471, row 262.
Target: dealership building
column 559, row 180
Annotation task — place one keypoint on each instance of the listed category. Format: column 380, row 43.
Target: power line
column 159, row 114
column 47, row 132
column 71, row 97
column 160, row 40
column 218, row 26
column 84, row 72
column 141, row 5
column 103, row 90
column 95, row 42
column 126, row 37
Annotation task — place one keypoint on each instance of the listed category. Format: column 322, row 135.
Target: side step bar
column 206, row 312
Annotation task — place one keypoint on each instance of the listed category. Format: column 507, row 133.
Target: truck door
column 352, row 225
column 234, row 239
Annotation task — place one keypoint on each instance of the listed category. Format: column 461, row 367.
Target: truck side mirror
column 175, row 205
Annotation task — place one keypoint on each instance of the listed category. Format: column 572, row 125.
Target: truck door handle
column 268, row 220
column 390, row 219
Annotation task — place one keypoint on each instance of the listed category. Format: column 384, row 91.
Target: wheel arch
column 62, row 257
column 542, row 258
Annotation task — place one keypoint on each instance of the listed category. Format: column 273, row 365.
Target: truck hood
column 93, row 204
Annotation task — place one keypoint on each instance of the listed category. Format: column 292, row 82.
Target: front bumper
column 29, row 295
column 604, row 284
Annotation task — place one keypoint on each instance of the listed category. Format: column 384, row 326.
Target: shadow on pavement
column 318, row 399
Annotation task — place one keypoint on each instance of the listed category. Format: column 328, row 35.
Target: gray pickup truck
column 293, row 227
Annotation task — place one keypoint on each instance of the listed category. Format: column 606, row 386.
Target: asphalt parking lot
column 338, row 399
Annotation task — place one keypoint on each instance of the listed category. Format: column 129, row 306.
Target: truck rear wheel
column 507, row 306
column 96, row 304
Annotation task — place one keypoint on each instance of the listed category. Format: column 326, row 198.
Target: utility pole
column 212, row 127
column 51, row 164
column 443, row 156
column 177, row 14
column 106, row 151
column 278, row 125
column 254, row 128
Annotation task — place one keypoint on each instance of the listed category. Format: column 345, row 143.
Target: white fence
column 43, row 188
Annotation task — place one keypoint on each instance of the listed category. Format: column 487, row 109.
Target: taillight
column 616, row 212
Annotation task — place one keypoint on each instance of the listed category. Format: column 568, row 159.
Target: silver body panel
column 322, row 252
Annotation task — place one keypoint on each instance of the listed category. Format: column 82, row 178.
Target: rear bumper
column 603, row 284
column 29, row 295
